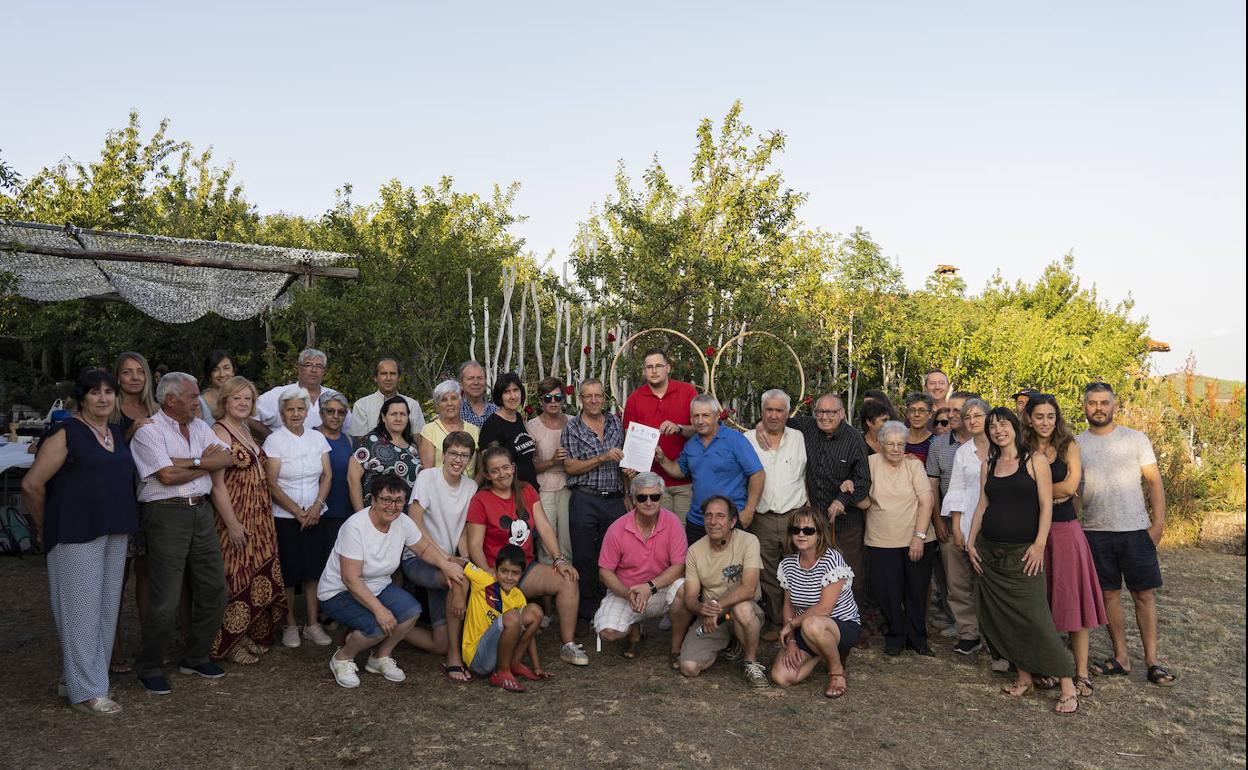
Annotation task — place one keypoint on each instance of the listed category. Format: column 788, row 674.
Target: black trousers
column 589, row 516
column 900, row 589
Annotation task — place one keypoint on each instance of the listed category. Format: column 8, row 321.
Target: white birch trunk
column 537, row 332
column 472, row 320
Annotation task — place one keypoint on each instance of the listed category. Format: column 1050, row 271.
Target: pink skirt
column 1075, row 597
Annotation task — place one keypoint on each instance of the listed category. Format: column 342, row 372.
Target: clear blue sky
column 990, row 136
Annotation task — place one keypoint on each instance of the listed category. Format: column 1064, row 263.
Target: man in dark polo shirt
column 663, row 403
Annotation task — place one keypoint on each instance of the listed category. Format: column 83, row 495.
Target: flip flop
column 1108, row 667
column 1047, row 682
column 524, row 672
column 1064, row 700
column 449, row 672
column 1084, row 686
column 1159, row 676
column 506, row 681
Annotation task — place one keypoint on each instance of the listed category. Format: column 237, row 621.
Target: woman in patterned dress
column 253, row 573
column 388, row 448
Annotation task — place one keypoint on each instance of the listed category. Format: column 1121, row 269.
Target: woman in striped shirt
column 821, row 620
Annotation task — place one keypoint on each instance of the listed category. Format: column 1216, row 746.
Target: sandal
column 1109, row 667
column 524, row 672
column 1063, row 701
column 632, row 647
column 254, row 647
column 120, row 667
column 1013, row 691
column 833, row 691
column 1084, row 686
column 1046, row 682
column 242, row 656
column 673, row 660
column 1158, row 675
column 455, row 673
column 101, row 706
column 506, row 681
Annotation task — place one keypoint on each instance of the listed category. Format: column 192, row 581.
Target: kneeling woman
column 507, row 510
column 356, row 588
column 821, row 621
column 1006, row 547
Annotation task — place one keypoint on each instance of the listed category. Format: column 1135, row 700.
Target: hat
column 1028, row 392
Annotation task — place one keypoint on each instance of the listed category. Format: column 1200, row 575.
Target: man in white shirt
column 784, row 491
column 364, row 413
column 311, row 373
column 439, row 506
column 180, row 462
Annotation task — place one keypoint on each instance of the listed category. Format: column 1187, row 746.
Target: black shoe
column 891, row 651
column 207, row 670
column 923, row 650
column 156, row 684
column 968, row 646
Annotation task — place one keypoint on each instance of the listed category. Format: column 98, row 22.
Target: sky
column 991, row 136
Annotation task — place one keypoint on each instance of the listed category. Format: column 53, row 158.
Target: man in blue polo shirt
column 721, row 461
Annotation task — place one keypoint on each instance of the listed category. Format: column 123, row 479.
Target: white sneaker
column 544, row 623
column 316, row 635
column 344, row 671
column 290, row 637
column 386, row 667
column 573, row 654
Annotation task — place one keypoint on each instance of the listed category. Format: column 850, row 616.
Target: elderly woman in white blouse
column 958, row 505
column 297, row 465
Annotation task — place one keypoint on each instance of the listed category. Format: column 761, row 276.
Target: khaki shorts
column 703, row 649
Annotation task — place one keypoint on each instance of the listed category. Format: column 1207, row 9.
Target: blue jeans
column 347, row 610
column 422, row 573
column 485, row 660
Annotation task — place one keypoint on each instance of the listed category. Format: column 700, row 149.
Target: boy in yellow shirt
column 500, row 623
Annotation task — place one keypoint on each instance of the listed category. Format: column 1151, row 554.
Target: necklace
column 105, row 436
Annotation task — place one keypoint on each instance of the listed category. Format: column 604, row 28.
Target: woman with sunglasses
column 447, row 399
column 940, row 422
column 1008, row 537
column 547, row 429
column 821, row 620
column 1074, row 591
column 506, row 511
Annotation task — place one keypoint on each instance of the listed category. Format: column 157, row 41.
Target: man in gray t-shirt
column 1121, row 534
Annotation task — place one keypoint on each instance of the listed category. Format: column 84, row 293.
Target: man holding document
column 594, row 441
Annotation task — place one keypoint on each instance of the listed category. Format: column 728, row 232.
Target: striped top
column 805, row 586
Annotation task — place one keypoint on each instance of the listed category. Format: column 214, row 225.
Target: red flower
column 723, row 414
column 710, row 351
column 569, row 389
column 610, row 337
column 586, row 350
column 853, row 375
column 808, row 400
column 528, row 409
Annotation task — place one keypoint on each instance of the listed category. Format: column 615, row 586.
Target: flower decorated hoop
column 801, row 373
column 612, row 380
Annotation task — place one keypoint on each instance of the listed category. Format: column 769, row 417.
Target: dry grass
column 904, row 712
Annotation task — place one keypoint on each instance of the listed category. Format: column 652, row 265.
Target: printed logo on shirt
column 518, row 529
column 732, row 573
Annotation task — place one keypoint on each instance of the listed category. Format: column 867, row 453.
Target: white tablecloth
column 15, row 456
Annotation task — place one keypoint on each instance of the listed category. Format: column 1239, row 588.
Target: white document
column 639, row 444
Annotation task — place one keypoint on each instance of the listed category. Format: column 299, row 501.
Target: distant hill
column 1225, row 388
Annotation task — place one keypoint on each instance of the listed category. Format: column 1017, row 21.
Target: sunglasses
column 551, row 398
column 649, row 498
column 942, row 423
column 808, row 531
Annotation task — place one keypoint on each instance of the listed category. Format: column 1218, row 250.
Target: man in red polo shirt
column 663, row 403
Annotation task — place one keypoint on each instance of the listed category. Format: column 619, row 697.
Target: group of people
column 225, row 504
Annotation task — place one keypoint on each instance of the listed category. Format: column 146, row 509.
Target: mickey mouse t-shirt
column 502, row 527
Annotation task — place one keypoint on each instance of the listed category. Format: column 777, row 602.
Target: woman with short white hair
column 447, row 400
column 297, row 465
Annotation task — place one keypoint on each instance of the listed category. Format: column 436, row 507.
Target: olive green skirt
column 1013, row 611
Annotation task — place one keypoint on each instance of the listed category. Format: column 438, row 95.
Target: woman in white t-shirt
column 356, row 589
column 297, row 466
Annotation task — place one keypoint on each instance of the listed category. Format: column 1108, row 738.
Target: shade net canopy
column 175, row 293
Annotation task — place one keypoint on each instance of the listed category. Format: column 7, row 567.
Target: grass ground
column 907, row 712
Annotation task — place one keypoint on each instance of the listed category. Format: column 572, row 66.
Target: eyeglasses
column 649, row 498
column 333, row 412
column 917, row 410
column 313, row 366
column 942, row 423
column 807, row 531
column 827, row 412
column 461, row 456
column 551, row 398
column 389, row 502
column 973, row 416
column 497, row 470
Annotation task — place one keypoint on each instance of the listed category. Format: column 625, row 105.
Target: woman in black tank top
column 1008, row 537
column 1074, row 590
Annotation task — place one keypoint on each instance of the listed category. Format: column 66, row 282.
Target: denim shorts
column 422, row 573
column 485, row 659
column 849, row 636
column 1129, row 556
column 344, row 608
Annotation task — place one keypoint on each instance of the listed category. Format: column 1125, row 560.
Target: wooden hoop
column 611, row 379
column 801, row 373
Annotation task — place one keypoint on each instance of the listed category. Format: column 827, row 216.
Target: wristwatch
column 196, row 462
column 653, row 588
column 921, row 535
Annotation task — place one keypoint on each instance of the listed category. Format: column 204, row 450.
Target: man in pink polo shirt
column 663, row 403
column 642, row 565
